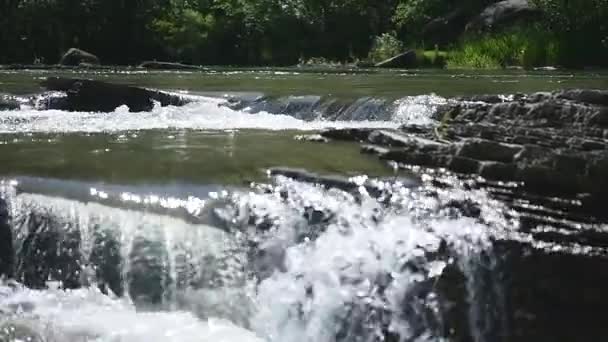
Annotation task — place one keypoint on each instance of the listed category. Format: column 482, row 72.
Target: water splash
column 215, row 114
column 295, row 262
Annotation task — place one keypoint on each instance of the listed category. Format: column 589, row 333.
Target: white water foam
column 88, row 315
column 205, row 113
column 418, row 110
column 328, row 285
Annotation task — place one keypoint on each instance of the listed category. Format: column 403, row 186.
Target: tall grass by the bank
column 526, row 47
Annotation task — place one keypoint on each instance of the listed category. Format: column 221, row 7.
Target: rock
column 498, row 171
column 501, row 14
column 337, row 182
column 447, row 28
column 99, row 96
column 75, row 57
column 7, row 253
column 168, row 66
column 464, row 165
column 407, row 59
column 591, row 96
column 553, row 143
column 8, row 103
column 373, row 149
column 348, row 134
column 538, row 288
column 488, row 150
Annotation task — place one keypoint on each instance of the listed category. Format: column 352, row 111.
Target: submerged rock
column 75, row 57
column 99, row 96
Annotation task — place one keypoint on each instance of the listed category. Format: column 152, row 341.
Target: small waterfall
column 236, row 112
column 292, row 262
column 409, row 109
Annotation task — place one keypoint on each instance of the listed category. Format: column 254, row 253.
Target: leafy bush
column 385, row 46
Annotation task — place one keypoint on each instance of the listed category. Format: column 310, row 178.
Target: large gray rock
column 501, row 14
column 98, row 96
column 75, row 57
column 404, row 60
column 446, row 29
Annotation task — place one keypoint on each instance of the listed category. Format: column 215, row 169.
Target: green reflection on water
column 216, row 157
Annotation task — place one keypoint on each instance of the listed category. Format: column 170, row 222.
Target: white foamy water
column 360, row 268
column 418, row 110
column 88, row 315
column 205, row 113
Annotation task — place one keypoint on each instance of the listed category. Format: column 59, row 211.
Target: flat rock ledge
column 545, row 155
column 554, row 144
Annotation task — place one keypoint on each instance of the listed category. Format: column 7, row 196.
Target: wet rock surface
column 545, row 155
column 553, row 143
column 98, row 96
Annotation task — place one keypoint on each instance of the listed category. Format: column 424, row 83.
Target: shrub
column 385, row 46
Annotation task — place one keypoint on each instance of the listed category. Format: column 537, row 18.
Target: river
column 166, row 225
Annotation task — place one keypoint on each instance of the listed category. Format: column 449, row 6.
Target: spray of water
column 295, row 262
column 214, row 113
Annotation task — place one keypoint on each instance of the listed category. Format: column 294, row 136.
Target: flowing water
column 165, row 226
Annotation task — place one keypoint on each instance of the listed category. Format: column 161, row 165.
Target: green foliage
column 385, row 46
column 410, row 16
column 573, row 45
column 185, row 33
column 282, row 32
column 580, row 28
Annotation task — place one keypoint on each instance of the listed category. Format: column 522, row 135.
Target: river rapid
column 167, row 225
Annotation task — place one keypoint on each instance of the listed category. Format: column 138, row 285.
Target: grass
column 526, row 47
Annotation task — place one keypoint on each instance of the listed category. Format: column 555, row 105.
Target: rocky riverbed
column 490, row 228
column 545, row 155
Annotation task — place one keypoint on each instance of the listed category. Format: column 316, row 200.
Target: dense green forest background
column 571, row 33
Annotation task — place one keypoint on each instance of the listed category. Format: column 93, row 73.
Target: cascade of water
column 297, row 262
column 299, row 112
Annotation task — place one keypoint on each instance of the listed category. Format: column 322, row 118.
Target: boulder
column 167, row 66
column 75, row 57
column 502, row 13
column 407, row 59
column 445, row 29
column 98, row 96
column 8, row 103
